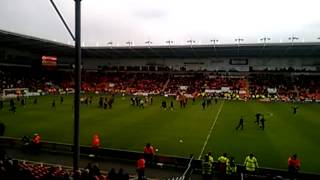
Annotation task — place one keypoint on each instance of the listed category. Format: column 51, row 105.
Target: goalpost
column 14, row 93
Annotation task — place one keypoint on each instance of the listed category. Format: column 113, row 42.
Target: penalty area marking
column 210, row 132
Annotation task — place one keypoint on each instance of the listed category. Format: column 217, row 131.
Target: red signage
column 49, row 61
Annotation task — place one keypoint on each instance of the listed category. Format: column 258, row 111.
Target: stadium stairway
column 165, row 85
column 39, row 170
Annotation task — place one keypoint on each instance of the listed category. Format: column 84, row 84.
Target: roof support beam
column 62, row 19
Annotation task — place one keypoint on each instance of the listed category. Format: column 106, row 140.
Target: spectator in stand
column 141, row 164
column 9, row 169
column 206, row 168
column 85, row 174
column 251, row 163
column 77, row 175
column 121, row 175
column 293, row 166
column 95, row 170
column 112, row 174
column 149, row 153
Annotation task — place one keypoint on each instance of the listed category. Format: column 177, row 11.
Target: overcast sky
column 160, row 20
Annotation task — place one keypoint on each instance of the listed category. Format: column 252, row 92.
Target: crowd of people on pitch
column 105, row 102
column 225, row 167
column 141, row 101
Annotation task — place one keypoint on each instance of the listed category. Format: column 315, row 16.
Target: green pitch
column 128, row 127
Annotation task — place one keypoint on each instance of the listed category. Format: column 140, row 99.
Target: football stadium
column 210, row 110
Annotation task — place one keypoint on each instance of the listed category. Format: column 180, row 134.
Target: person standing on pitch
column 293, row 166
column 257, row 118
column 35, row 101
column 23, row 102
column 262, row 120
column 13, row 108
column 295, row 108
column 11, row 102
column 53, row 105
column 61, row 99
column 151, row 100
column 240, row 124
column 203, row 104
column 171, row 105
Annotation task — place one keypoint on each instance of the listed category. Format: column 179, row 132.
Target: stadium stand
column 287, row 86
column 173, row 73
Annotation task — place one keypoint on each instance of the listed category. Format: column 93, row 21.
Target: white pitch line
column 210, row 132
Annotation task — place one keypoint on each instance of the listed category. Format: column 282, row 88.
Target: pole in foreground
column 77, row 77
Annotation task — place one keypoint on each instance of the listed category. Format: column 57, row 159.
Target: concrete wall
column 210, row 64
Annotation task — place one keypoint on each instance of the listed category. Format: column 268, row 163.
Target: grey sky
column 160, row 20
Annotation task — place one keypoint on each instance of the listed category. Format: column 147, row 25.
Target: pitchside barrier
column 131, row 156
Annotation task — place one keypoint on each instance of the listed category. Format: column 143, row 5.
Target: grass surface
column 128, row 127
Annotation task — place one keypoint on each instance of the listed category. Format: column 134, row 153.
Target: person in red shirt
column 141, row 165
column 36, row 139
column 95, row 141
column 95, row 144
column 36, row 142
column 293, row 166
column 149, row 153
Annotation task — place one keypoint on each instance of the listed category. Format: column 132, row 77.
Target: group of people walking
column 226, row 168
column 260, row 121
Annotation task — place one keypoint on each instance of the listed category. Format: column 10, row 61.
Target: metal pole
column 62, row 19
column 77, row 77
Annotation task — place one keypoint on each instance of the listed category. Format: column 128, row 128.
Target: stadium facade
column 17, row 49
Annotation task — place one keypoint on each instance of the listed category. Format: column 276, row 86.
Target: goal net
column 14, row 92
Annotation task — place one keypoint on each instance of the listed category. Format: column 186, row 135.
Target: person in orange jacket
column 141, row 165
